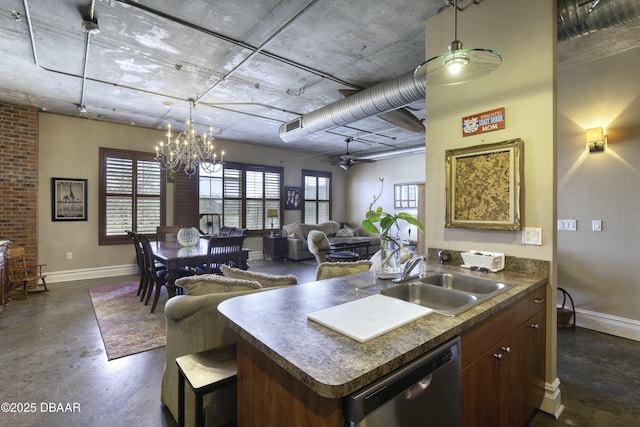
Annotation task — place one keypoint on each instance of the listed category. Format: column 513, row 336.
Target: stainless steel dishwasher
column 423, row 393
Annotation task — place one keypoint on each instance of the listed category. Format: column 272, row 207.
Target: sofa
column 296, row 235
column 193, row 325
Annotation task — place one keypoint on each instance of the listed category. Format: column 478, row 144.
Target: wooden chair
column 168, row 233
column 223, row 251
column 23, row 274
column 228, row 231
column 145, row 280
column 156, row 277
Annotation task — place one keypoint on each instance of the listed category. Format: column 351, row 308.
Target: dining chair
column 139, row 262
column 22, row 274
column 228, row 231
column 222, row 251
column 145, row 280
column 156, row 277
column 168, row 233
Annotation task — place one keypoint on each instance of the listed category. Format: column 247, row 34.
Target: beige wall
column 524, row 84
column 601, row 269
column 69, row 149
column 363, row 184
column 524, row 32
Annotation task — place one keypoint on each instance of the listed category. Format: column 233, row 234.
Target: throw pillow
column 345, row 232
column 203, row 284
column 266, row 280
column 293, row 230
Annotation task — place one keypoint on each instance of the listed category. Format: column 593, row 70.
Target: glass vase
column 188, row 236
column 389, row 256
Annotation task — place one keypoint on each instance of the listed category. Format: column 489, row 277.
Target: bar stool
column 205, row 371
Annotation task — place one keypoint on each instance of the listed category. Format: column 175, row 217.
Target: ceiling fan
column 347, row 160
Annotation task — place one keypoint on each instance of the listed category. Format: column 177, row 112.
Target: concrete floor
column 51, row 352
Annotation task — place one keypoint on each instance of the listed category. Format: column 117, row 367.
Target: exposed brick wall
column 19, row 176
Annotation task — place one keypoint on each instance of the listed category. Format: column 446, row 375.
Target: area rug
column 127, row 326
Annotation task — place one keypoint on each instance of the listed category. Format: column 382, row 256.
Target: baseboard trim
column 91, row 273
column 608, row 324
column 551, row 403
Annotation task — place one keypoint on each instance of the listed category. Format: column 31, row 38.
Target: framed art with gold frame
column 483, row 186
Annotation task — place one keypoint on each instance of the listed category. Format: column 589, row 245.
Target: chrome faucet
column 408, row 268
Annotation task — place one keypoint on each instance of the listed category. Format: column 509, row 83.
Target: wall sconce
column 596, row 140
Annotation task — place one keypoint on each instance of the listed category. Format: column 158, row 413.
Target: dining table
column 173, row 256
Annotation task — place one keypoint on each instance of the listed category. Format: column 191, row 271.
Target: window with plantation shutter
column 317, row 196
column 131, row 195
column 247, row 194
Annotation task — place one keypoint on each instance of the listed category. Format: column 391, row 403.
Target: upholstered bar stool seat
column 205, row 371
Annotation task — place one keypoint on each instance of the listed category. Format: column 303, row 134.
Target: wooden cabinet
column 503, row 380
column 275, row 247
column 4, row 274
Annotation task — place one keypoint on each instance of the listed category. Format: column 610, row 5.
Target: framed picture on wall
column 292, row 201
column 68, row 199
column 483, row 186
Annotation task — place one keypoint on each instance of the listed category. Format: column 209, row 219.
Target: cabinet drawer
column 537, row 300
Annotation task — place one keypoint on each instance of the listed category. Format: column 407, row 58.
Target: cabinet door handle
column 535, row 326
column 538, row 300
column 506, row 349
column 497, row 356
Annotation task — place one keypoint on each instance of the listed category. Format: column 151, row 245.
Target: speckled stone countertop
column 334, row 365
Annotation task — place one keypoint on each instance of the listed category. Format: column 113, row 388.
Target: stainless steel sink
column 474, row 285
column 445, row 301
column 448, row 294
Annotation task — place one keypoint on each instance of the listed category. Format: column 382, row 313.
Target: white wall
column 69, row 148
column 601, row 269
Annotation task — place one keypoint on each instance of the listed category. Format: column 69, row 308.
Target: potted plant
column 389, row 243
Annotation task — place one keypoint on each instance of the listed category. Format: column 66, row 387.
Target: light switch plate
column 532, row 236
column 596, row 225
column 567, row 224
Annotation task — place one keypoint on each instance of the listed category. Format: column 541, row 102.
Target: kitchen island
column 294, row 371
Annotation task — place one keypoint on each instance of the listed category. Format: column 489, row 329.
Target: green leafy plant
column 385, row 220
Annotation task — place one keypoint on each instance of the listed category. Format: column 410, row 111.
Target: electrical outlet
column 69, row 255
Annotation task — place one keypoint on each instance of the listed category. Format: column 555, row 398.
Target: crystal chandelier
column 188, row 150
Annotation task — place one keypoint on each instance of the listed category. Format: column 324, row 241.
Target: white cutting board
column 369, row 317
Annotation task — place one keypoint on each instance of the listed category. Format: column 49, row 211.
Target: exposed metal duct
column 575, row 18
column 581, row 17
column 381, row 98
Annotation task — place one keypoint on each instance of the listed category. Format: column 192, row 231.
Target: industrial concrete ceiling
column 249, row 65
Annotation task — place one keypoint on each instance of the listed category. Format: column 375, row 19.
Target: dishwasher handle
column 417, row 389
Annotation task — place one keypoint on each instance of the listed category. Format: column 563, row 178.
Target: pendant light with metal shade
column 458, row 65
